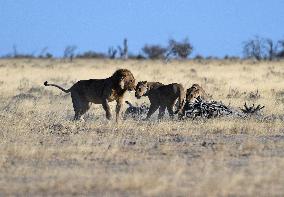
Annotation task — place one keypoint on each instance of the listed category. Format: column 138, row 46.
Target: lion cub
column 194, row 92
column 161, row 96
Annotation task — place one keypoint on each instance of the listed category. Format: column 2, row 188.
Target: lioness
column 161, row 96
column 100, row 91
column 194, row 92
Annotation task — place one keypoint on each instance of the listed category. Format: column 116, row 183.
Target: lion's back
column 167, row 93
column 93, row 89
column 172, row 89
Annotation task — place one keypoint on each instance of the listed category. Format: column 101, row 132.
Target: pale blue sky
column 215, row 27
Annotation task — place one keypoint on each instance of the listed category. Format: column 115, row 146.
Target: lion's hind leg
column 162, row 110
column 80, row 105
column 152, row 109
column 170, row 109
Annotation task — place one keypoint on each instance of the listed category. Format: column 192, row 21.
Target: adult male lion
column 100, row 91
column 161, row 96
column 194, row 92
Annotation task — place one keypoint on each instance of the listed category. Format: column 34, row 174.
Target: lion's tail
column 181, row 99
column 64, row 90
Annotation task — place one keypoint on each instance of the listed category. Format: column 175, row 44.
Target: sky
column 214, row 27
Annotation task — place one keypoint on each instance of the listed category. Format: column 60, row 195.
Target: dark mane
column 121, row 73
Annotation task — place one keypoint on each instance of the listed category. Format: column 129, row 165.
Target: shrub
column 91, row 54
column 180, row 49
column 154, row 51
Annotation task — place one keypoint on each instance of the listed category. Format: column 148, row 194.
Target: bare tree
column 15, row 51
column 260, row 48
column 112, row 52
column 17, row 54
column 43, row 53
column 69, row 52
column 280, row 51
column 270, row 48
column 123, row 51
column 253, row 48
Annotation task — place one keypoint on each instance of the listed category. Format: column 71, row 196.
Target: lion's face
column 192, row 94
column 141, row 89
column 126, row 80
column 128, row 83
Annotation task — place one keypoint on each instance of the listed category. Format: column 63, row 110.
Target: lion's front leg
column 119, row 103
column 107, row 109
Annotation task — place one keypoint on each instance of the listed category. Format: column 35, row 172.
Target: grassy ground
column 43, row 152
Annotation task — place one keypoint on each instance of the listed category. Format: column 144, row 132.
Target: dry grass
column 43, row 152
